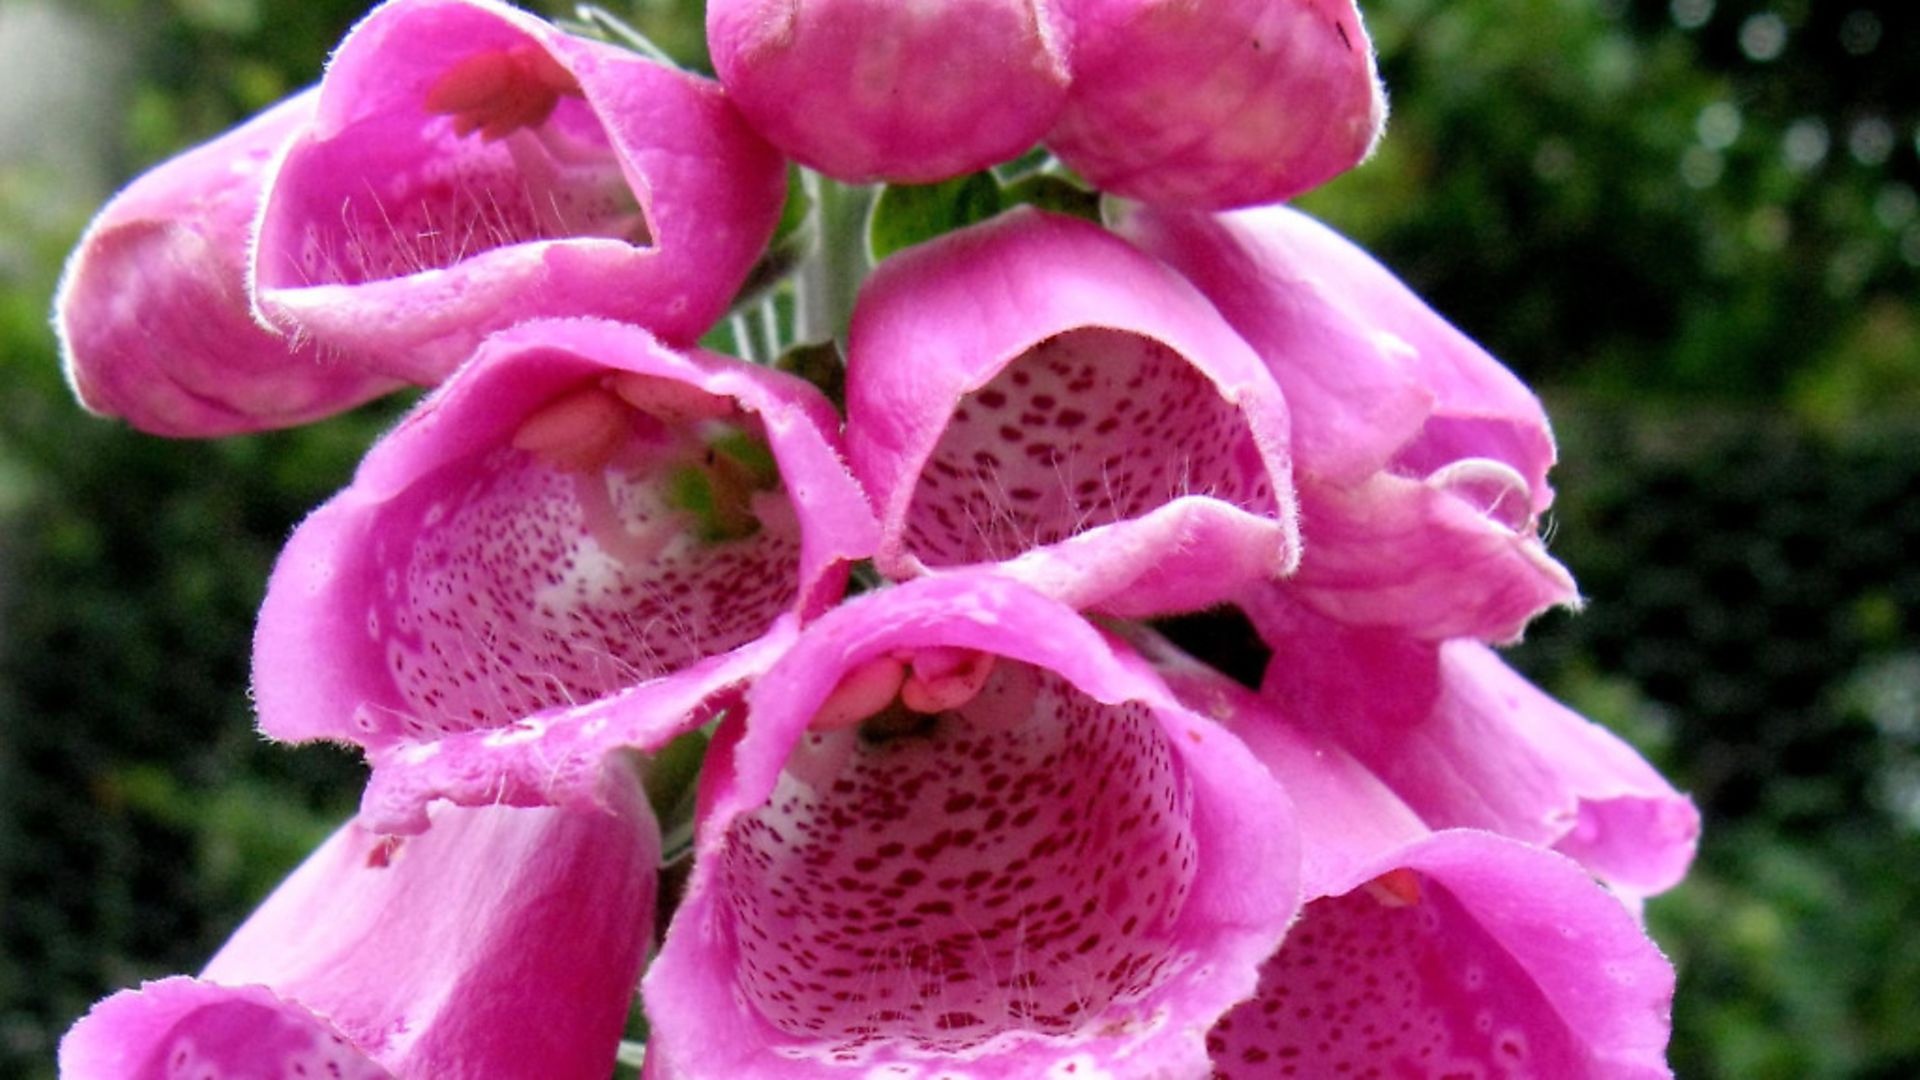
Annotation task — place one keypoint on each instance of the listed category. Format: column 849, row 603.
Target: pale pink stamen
column 1395, row 889
column 945, row 678
column 576, row 432
column 863, row 691
column 670, row 400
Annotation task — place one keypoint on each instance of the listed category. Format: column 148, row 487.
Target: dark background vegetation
column 1693, row 224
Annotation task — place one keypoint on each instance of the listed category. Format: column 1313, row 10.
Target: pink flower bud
column 882, row 90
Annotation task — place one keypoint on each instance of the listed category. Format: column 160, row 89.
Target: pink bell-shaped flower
column 154, row 320
column 1458, row 952
column 1421, row 463
column 957, row 831
column 469, row 166
column 1212, row 104
column 867, row 90
column 1034, row 392
column 502, row 943
column 1468, row 742
column 577, row 510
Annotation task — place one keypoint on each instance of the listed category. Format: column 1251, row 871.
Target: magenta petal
column 1034, row 381
column 577, row 510
column 1468, row 742
column 1069, row 874
column 1421, row 462
column 1217, row 103
column 470, row 167
column 154, row 321
column 1463, row 954
column 1420, row 556
column 180, row 1027
column 502, row 943
column 880, row 90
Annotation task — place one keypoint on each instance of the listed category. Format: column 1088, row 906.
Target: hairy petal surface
column 865, row 90
column 1217, row 103
column 578, row 510
column 1468, row 742
column 1421, row 461
column 502, row 943
column 1066, row 873
column 1035, row 385
column 154, row 321
column 470, row 167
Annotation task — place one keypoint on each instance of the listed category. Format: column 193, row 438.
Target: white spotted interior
column 1087, row 428
column 1363, row 989
column 1019, row 865
column 509, row 585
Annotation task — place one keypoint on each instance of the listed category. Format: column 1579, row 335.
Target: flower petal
column 501, row 943
column 1462, row 954
column 1217, row 104
column 1031, row 381
column 1067, row 874
column 1421, row 462
column 471, row 167
column 154, row 322
column 1468, row 742
column 878, row 90
column 561, row 520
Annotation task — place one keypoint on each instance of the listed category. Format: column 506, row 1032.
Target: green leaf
column 905, row 215
column 1050, row 191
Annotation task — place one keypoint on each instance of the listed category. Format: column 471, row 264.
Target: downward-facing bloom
column 579, row 509
column 153, row 314
column 1421, row 463
column 877, row 89
column 469, row 166
column 957, row 832
column 1217, row 103
column 1034, row 391
column 502, row 943
column 1467, row 741
column 1457, row 952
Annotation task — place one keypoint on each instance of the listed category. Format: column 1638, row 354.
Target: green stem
column 831, row 276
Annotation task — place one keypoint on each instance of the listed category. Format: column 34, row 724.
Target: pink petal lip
column 470, row 167
column 816, row 844
column 1016, row 387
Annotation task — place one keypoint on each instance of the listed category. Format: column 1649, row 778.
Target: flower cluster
column 964, row 808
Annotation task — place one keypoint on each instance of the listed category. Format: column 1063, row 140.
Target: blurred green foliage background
column 1693, row 224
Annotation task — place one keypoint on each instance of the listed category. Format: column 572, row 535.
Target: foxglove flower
column 579, row 509
column 1466, row 741
column 958, row 832
column 468, row 167
column 502, row 943
column 1217, row 103
column 1421, row 462
column 1459, row 952
column 874, row 89
column 1034, row 391
column 154, row 320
